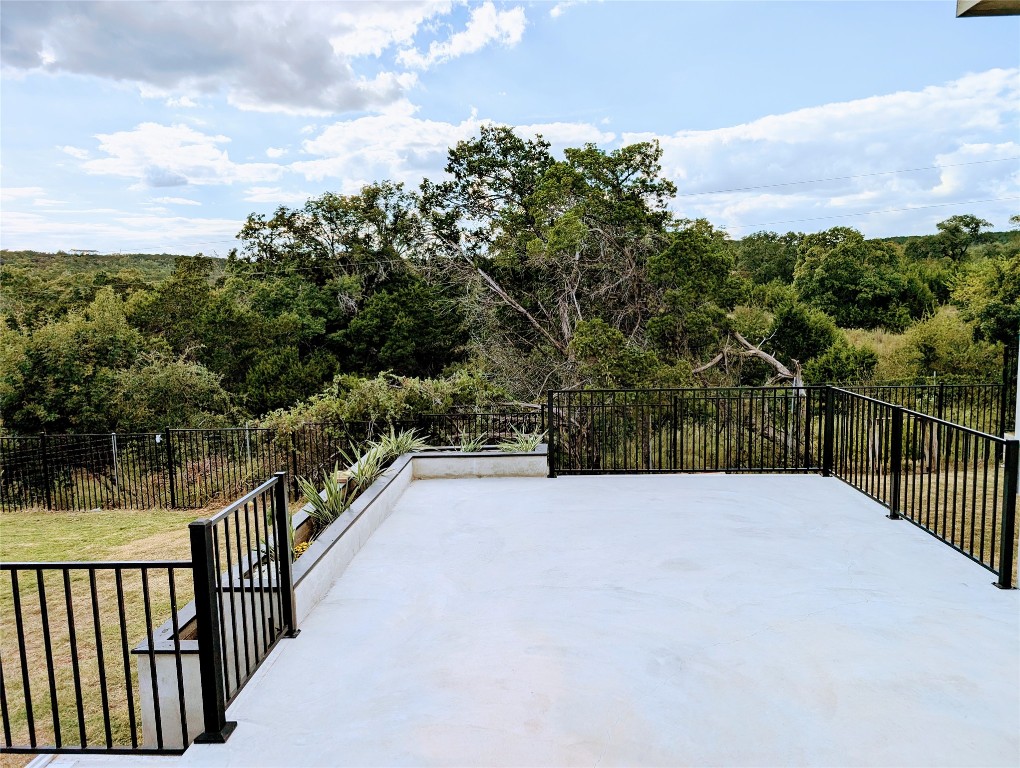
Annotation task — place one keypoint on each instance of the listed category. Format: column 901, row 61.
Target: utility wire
column 870, row 213
column 844, row 178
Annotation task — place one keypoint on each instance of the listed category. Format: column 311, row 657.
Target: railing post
column 285, row 554
column 217, row 728
column 1008, row 522
column 170, row 473
column 895, row 462
column 46, row 471
column 293, row 463
column 551, row 448
column 827, row 434
column 940, row 406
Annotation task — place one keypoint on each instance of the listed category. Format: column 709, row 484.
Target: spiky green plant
column 324, row 509
column 364, row 469
column 521, row 442
column 398, row 443
column 469, row 444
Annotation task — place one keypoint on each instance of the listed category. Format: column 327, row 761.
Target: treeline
column 519, row 272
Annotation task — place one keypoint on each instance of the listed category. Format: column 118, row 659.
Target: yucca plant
column 325, row 509
column 522, row 442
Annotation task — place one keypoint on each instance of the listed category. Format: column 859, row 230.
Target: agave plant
column 469, row 444
column 325, row 508
column 364, row 469
column 522, row 442
column 398, row 443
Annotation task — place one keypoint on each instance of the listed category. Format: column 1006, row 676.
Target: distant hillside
column 153, row 267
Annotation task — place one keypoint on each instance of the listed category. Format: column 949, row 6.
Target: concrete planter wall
column 314, row 573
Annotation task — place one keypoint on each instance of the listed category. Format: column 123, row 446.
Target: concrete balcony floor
column 639, row 620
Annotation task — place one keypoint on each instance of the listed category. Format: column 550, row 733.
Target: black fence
column 739, row 429
column 67, row 681
column 88, row 664
column 191, row 468
column 956, row 483
column 987, row 408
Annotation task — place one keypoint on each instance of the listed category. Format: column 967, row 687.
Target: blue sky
column 141, row 126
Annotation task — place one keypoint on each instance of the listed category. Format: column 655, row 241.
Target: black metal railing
column 244, row 595
column 956, row 483
column 738, row 429
column 67, row 683
column 68, row 632
column 192, row 468
column 986, row 408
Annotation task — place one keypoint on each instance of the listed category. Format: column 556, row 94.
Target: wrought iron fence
column 191, row 468
column 67, row 683
column 69, row 631
column 738, row 429
column 986, row 408
column 956, row 483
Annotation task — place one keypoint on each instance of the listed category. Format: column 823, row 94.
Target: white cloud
column 157, row 155
column 12, row 194
column 486, row 25
column 275, row 152
column 184, row 102
column 274, row 195
column 964, row 121
column 400, row 146
column 290, row 57
column 175, row 201
column 75, row 152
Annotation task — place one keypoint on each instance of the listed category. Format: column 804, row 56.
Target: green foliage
column 989, row 295
column 395, row 443
column 767, row 256
column 327, row 506
column 800, row 332
column 604, row 358
column 365, row 469
column 943, row 347
column 842, row 363
column 522, row 442
column 159, row 391
column 472, row 443
column 63, row 376
column 411, row 330
column 859, row 283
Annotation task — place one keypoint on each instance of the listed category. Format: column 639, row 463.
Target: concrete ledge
column 484, row 464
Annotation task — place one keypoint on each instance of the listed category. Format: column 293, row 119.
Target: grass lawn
column 107, row 535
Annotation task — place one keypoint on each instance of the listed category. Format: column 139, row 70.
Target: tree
column 62, row 376
column 411, row 330
column 539, row 245
column 768, row 256
column 160, row 391
column 989, row 296
column 859, row 283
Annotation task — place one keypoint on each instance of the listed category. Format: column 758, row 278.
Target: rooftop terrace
column 638, row 620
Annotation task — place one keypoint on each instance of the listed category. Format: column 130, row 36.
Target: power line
column 870, row 213
column 844, row 178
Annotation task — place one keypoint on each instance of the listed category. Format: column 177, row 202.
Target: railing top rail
column 986, row 385
column 933, row 419
column 238, row 503
column 109, row 565
column 789, row 388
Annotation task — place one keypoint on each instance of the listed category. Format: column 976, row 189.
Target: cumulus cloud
column 292, row 57
column 157, row 155
column 485, row 26
column 398, row 145
column 275, row 152
column 956, row 126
